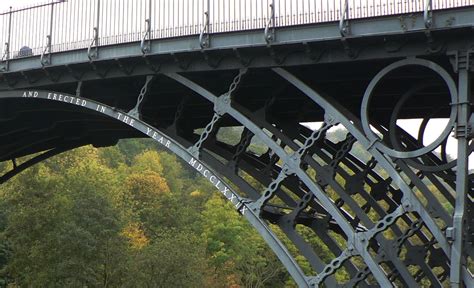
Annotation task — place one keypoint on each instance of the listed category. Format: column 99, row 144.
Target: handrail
column 121, row 21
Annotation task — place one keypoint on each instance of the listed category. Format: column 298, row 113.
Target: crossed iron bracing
column 372, row 206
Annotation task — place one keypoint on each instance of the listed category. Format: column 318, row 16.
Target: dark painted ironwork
column 375, row 207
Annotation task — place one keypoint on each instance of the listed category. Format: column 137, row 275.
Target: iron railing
column 62, row 25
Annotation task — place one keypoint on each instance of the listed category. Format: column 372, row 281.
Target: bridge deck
column 304, row 72
column 61, row 27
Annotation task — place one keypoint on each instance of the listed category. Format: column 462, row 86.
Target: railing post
column 145, row 45
column 204, row 39
column 46, row 55
column 428, row 14
column 344, row 27
column 6, row 53
column 93, row 50
column 270, row 26
column 428, row 19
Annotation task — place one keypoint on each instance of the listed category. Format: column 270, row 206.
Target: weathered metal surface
column 375, row 207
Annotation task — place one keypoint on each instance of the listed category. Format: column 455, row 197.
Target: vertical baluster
column 9, row 32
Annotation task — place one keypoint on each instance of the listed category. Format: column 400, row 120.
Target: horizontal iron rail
column 63, row 25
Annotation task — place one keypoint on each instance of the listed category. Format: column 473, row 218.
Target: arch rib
column 410, row 203
column 239, row 202
column 292, row 164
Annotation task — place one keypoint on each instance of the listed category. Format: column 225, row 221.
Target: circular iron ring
column 373, row 138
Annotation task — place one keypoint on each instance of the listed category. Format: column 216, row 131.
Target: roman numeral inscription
column 217, row 183
column 150, row 132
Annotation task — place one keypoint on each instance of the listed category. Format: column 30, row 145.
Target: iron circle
column 375, row 140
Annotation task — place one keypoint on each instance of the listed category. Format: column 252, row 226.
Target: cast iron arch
column 190, row 157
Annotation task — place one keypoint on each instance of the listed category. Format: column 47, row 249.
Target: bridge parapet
column 68, row 25
column 388, row 208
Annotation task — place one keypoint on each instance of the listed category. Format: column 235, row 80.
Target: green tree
column 62, row 229
column 237, row 253
column 173, row 259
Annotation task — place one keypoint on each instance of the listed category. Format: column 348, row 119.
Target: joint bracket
column 204, row 39
column 344, row 27
column 145, row 44
column 270, row 25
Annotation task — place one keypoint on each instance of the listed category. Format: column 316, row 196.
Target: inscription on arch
column 147, row 130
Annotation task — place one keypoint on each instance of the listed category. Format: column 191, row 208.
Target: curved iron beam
column 240, row 203
column 356, row 247
column 410, row 203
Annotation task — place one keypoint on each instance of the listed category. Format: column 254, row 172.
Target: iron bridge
column 393, row 209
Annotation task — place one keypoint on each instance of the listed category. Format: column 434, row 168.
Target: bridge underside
column 374, row 208
column 30, row 127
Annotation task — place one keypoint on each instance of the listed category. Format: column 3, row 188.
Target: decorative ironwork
column 270, row 26
column 194, row 18
column 135, row 112
column 379, row 208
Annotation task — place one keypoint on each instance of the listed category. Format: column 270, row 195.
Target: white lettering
column 30, row 94
column 210, row 179
column 192, row 162
column 168, row 142
column 154, row 135
column 78, row 101
column 102, row 109
column 66, row 98
column 49, row 95
column 119, row 115
column 72, row 99
column 206, row 171
column 225, row 190
column 84, row 103
column 131, row 122
column 55, row 96
column 217, row 184
column 161, row 140
column 148, row 130
column 199, row 167
column 60, row 97
column 232, row 197
column 243, row 209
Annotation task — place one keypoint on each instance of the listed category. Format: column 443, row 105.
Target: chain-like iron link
column 221, row 105
column 135, row 112
column 245, row 140
column 341, row 153
column 315, row 136
column 332, row 267
column 194, row 150
column 271, row 190
column 293, row 161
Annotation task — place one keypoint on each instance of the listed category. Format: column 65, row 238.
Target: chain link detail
column 270, row 191
column 332, row 267
column 244, row 143
column 135, row 112
column 194, row 150
column 341, row 153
